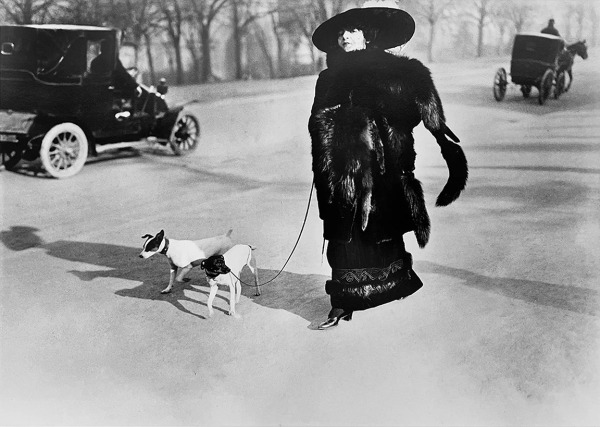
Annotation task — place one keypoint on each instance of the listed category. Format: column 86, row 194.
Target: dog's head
column 215, row 265
column 153, row 244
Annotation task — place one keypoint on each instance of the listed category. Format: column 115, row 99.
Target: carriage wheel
column 500, row 83
column 559, row 88
column 64, row 150
column 185, row 135
column 545, row 86
column 526, row 91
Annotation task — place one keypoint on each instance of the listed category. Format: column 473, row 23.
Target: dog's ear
column 145, row 236
column 161, row 233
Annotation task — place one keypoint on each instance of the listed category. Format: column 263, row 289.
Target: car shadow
column 34, row 168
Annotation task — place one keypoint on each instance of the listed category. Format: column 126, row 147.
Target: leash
column 257, row 285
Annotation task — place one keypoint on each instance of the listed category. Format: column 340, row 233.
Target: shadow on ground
column 300, row 294
column 564, row 297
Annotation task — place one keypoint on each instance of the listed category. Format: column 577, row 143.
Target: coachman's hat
column 393, row 27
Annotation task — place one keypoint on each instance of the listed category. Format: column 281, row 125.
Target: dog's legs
column 172, row 272
column 238, row 290
column 182, row 272
column 211, row 298
column 255, row 271
column 234, row 283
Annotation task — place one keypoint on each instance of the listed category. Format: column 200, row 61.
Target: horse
column 567, row 57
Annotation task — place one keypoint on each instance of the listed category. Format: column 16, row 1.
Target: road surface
column 505, row 330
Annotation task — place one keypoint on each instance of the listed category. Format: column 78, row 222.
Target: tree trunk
column 193, row 49
column 430, row 42
column 148, row 41
column 237, row 42
column 480, row 37
column 205, row 47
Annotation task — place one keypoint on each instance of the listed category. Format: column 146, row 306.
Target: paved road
column 504, row 332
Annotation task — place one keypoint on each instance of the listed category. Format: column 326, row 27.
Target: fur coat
column 366, row 105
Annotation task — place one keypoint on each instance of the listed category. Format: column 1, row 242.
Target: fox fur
column 366, row 105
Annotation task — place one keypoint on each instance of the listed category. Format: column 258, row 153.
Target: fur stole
column 366, row 106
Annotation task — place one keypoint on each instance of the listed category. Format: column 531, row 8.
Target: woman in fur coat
column 366, row 104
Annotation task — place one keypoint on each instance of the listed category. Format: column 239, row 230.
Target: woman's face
column 352, row 39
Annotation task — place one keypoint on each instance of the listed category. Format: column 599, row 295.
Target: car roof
column 63, row 27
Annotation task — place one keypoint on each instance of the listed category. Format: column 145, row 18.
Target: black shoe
column 333, row 321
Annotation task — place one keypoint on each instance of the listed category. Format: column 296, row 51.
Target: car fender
column 165, row 124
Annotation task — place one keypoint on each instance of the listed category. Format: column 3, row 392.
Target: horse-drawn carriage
column 541, row 61
column 64, row 94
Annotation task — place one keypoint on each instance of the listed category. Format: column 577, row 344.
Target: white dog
column 183, row 255
column 225, row 270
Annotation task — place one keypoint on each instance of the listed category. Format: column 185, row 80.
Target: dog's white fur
column 183, row 255
column 235, row 258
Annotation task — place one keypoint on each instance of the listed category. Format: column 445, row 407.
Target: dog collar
column 211, row 274
column 166, row 248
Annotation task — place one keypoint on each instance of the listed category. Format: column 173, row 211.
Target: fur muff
column 366, row 106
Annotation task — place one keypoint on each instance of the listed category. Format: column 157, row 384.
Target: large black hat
column 394, row 27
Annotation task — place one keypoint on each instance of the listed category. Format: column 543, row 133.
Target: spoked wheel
column 545, row 86
column 500, row 83
column 10, row 154
column 559, row 86
column 185, row 135
column 64, row 150
column 526, row 91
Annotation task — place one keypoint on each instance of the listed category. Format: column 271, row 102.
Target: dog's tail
column 253, row 247
column 228, row 234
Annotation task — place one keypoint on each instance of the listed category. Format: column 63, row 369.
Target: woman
column 366, row 104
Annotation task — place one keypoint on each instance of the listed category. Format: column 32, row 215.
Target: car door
column 111, row 106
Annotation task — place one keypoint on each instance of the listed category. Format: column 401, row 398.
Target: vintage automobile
column 66, row 95
column 534, row 63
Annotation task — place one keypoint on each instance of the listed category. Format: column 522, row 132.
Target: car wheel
column 185, row 134
column 64, row 150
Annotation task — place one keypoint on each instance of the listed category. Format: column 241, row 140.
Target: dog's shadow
column 303, row 295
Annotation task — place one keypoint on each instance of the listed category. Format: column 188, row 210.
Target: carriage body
column 57, row 106
column 534, row 63
column 532, row 56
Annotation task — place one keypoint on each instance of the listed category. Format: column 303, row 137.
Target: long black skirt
column 366, row 274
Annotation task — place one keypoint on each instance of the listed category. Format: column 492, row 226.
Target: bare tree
column 577, row 14
column 280, row 26
column 23, row 12
column 595, row 23
column 261, row 39
column 510, row 16
column 204, row 14
column 309, row 14
column 140, row 18
column 431, row 11
column 244, row 13
column 174, row 17
column 82, row 12
column 481, row 14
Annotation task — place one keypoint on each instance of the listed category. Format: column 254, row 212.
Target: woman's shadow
column 300, row 294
